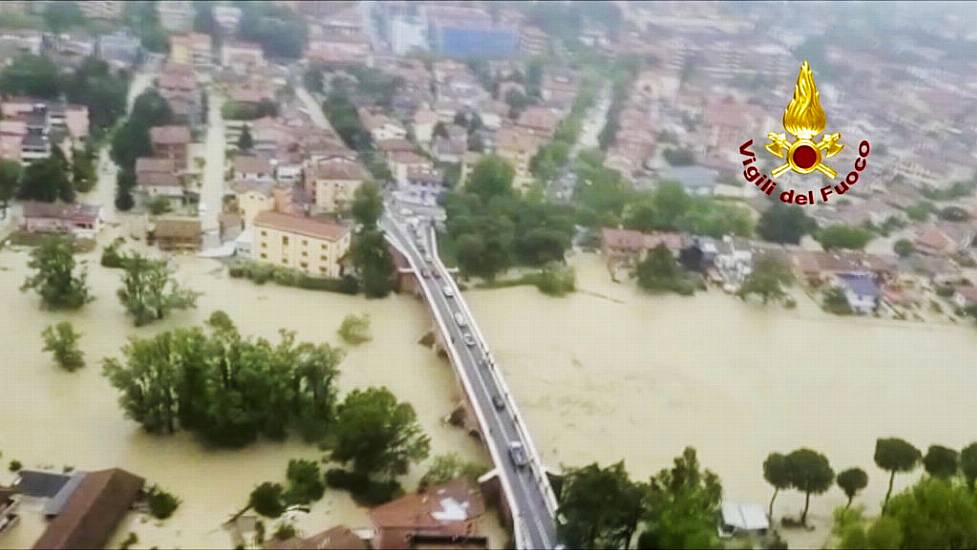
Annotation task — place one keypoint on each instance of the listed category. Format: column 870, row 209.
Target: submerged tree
column 768, row 278
column 355, row 329
column 681, row 506
column 377, row 435
column 810, row 472
column 895, row 455
column 851, row 482
column 600, row 507
column 54, row 277
column 149, row 291
column 268, row 499
column 941, row 462
column 62, row 341
column 776, row 471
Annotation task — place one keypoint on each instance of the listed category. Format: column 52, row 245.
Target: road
column 563, row 186
column 526, row 488
column 314, row 109
column 212, row 187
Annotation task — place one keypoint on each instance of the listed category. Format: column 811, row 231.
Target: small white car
column 460, row 319
column 469, row 339
column 518, row 454
column 446, row 290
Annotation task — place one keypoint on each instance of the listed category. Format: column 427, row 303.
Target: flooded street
column 612, row 373
column 55, row 418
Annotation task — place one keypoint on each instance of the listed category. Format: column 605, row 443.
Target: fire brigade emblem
column 805, row 120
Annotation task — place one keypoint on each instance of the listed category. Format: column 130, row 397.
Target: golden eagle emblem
column 804, row 119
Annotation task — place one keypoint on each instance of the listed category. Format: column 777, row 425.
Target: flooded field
column 49, row 417
column 612, row 373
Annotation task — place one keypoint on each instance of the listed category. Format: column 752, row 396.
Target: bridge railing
column 497, row 456
column 536, row 462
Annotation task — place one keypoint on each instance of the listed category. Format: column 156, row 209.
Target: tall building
column 315, row 247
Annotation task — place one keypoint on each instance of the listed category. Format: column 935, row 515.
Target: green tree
column 810, row 472
column 895, row 455
column 161, row 503
column 844, row 236
column 355, row 329
column 377, row 435
column 836, row 302
column 31, row 75
column 491, row 177
column 968, row 464
column 904, row 247
column 784, row 224
column 54, row 277
column 131, row 140
column 94, row 85
column 61, row 16
column 373, row 263
column 62, row 341
column 599, row 507
column 9, row 183
column 776, row 470
column 681, row 507
column 933, row 513
column 245, row 142
column 305, row 482
column 768, row 278
column 312, row 80
column 660, row 272
column 447, row 467
column 149, row 291
column 46, row 180
column 267, row 499
column 941, row 462
column 851, row 482
column 367, row 205
column 83, row 175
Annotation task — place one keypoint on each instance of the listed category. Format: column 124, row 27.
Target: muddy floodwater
column 612, row 373
column 52, row 418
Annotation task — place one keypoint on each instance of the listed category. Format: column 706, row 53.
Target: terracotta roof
column 93, row 511
column 310, row 227
column 152, row 164
column 395, row 145
column 337, row 538
column 179, row 80
column 170, row 135
column 158, row 179
column 406, row 157
column 252, row 165
column 62, row 211
column 447, row 509
column 338, row 169
column 175, row 227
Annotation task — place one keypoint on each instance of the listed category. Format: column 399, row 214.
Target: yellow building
column 312, row 246
column 334, row 183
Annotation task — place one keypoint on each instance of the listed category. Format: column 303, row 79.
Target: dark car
column 498, row 402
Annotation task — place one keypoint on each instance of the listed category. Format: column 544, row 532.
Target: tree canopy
column 769, row 277
column 810, row 472
column 491, row 177
column 784, row 224
column 377, row 435
column 149, row 292
column 54, row 277
column 843, row 236
column 851, row 482
column 895, row 456
column 681, row 506
column 599, row 507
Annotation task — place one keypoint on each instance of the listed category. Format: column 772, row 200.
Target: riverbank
column 53, row 418
column 611, row 372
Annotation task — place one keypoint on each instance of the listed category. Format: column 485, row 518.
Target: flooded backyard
column 52, row 418
column 612, row 373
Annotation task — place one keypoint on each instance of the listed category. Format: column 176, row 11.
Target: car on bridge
column 460, row 319
column 498, row 402
column 469, row 339
column 425, row 273
column 518, row 454
column 448, row 292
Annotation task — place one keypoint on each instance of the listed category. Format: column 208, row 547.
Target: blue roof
column 860, row 284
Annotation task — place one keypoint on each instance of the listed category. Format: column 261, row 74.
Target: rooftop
column 170, row 135
column 310, row 227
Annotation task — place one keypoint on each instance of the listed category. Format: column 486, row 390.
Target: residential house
column 424, row 121
column 965, row 297
column 861, row 290
column 82, row 220
column 819, row 266
column 252, row 168
column 176, row 15
column 333, row 182
column 315, row 247
column 110, row 10
column 87, row 517
column 518, row 147
column 944, row 238
column 160, row 184
column 401, row 162
column 453, row 147
column 178, row 233
column 254, row 197
column 380, row 126
column 178, row 85
column 121, row 49
column 628, row 244
column 194, row 49
column 242, row 56
column 443, row 513
column 21, row 41
column 170, row 142
column 337, row 538
column 423, row 186
column 539, row 121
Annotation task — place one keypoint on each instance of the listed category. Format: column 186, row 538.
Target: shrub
column 112, row 257
column 15, row 466
column 261, row 273
column 161, row 504
column 365, row 491
column 355, row 329
column 284, row 531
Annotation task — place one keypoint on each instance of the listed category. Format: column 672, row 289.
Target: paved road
column 564, row 185
column 530, row 497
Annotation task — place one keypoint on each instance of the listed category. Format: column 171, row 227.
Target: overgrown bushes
column 261, row 273
column 365, row 491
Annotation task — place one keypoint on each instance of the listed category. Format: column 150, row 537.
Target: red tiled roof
column 170, row 135
column 337, row 538
column 152, row 164
column 303, row 226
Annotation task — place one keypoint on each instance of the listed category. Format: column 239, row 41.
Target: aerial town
column 418, row 274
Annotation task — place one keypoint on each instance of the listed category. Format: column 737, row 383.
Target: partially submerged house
column 443, row 514
column 81, row 220
column 178, row 233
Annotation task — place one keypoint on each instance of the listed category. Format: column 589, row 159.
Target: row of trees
column 149, row 292
column 676, row 508
column 131, row 141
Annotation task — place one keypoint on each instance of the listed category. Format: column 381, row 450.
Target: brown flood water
column 53, row 418
column 612, row 373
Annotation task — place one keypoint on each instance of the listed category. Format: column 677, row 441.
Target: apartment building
column 315, row 247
